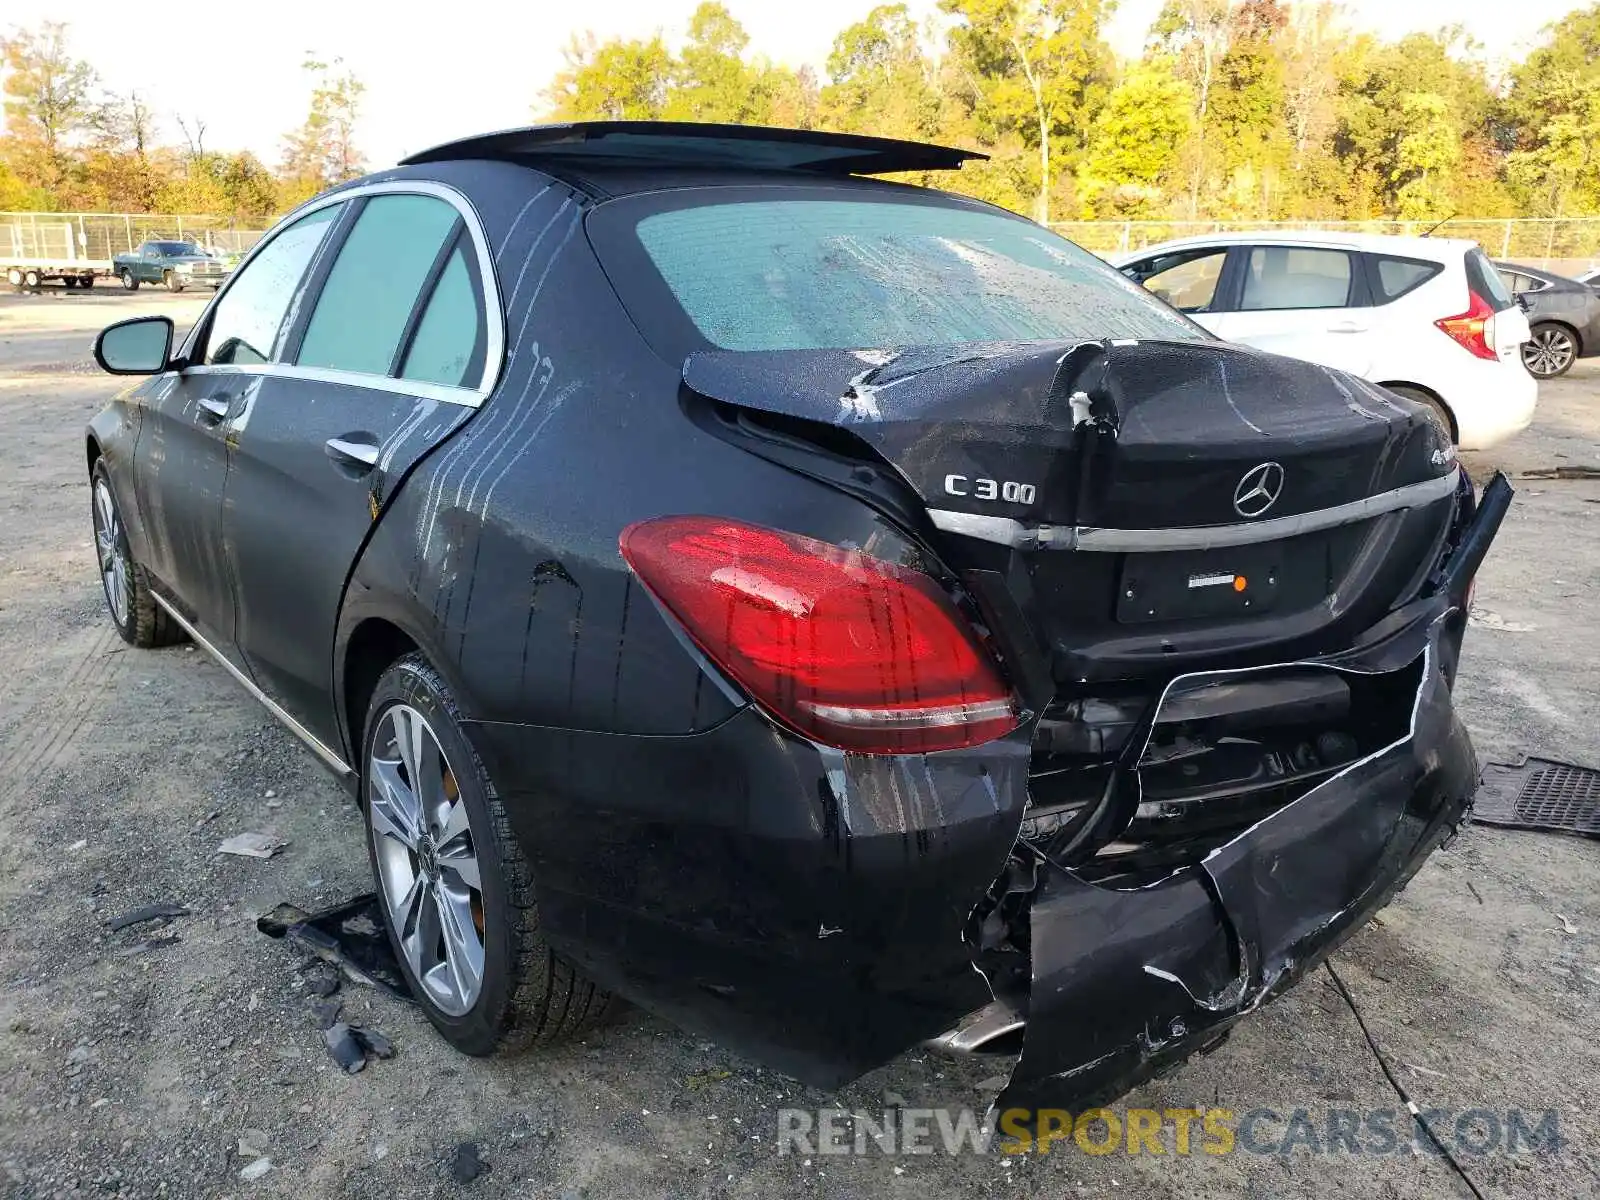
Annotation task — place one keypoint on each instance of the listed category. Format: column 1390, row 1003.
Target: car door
column 181, row 464
column 1192, row 280
column 1307, row 302
column 391, row 354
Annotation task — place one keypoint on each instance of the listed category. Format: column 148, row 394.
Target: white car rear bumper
column 1490, row 401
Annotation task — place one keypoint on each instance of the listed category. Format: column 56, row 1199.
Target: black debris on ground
column 350, row 936
column 465, row 1165
column 1541, row 794
column 351, row 1045
column 163, row 911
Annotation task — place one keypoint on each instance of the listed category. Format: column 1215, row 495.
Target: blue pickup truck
column 177, row 265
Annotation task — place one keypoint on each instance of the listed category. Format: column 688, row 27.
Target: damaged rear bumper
column 1125, row 983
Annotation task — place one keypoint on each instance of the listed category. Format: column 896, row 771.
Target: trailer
column 77, row 249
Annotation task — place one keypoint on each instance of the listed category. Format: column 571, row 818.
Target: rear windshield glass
column 808, row 274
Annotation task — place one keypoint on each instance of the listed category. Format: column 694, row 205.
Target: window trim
column 494, row 315
column 430, row 284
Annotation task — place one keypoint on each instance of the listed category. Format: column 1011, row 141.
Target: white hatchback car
column 1429, row 318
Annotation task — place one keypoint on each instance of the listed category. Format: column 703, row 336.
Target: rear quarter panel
column 499, row 553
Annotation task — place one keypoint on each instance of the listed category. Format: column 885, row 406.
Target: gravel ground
column 137, row 1062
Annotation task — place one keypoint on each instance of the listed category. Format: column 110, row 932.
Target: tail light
column 1474, row 329
column 844, row 648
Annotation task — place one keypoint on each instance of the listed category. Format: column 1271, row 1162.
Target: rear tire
column 31, row 280
column 128, row 281
column 86, row 281
column 132, row 605
column 432, row 831
column 1550, row 350
column 70, row 282
column 1441, row 414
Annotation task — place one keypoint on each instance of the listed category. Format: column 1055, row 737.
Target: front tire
column 172, row 280
column 454, row 885
column 1550, row 351
column 132, row 605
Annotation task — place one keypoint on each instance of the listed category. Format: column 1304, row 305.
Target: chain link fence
column 1569, row 244
column 97, row 237
column 1562, row 244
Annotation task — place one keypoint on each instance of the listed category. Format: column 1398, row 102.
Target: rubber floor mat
column 1540, row 794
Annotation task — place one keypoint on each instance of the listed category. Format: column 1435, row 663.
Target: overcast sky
column 471, row 65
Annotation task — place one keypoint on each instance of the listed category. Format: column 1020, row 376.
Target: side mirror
column 141, row 346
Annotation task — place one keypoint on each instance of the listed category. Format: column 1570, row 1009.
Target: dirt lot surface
column 133, row 1064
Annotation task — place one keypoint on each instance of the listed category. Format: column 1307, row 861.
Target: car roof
column 694, row 145
column 1379, row 243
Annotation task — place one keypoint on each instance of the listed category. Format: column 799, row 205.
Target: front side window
column 363, row 312
column 823, row 272
column 1187, row 280
column 1278, row 277
column 248, row 323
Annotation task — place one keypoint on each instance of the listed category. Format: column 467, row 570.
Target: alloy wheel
column 427, row 860
column 1548, row 352
column 111, row 551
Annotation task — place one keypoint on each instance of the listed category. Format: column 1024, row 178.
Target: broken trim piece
column 1007, row 531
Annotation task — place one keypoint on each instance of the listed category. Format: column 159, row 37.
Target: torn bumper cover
column 1128, row 982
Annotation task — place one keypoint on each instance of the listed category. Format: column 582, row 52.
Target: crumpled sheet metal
column 1125, row 983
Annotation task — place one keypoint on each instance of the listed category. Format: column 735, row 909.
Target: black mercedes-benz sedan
column 830, row 613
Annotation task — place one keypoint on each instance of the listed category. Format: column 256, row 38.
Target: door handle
column 214, row 409
column 362, row 454
column 1347, row 327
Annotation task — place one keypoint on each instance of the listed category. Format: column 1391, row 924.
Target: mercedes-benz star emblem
column 1258, row 490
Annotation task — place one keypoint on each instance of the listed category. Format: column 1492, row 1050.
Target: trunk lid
column 1136, row 504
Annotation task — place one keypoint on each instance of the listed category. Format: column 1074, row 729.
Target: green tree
column 1032, row 69
column 50, row 106
column 322, row 152
column 1244, row 121
column 881, row 81
column 611, row 81
column 1133, row 144
column 711, row 81
column 1382, row 94
column 1552, row 115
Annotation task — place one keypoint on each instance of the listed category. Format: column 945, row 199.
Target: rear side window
column 845, row 272
column 448, row 345
column 1483, row 279
column 1278, row 277
column 366, row 304
column 250, row 315
column 1397, row 276
column 1186, row 280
